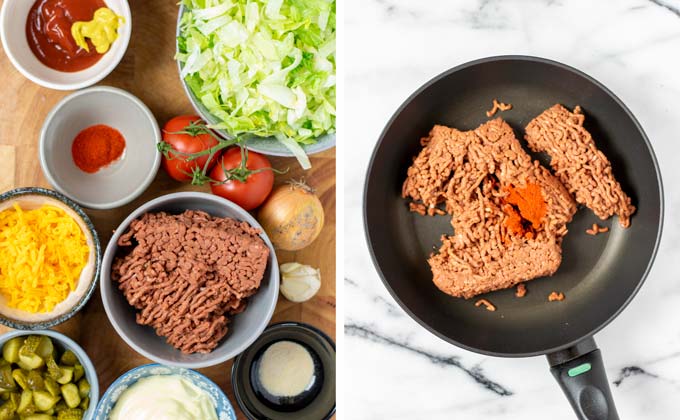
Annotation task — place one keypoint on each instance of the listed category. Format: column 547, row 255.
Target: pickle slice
column 7, row 410
column 37, row 416
column 83, row 388
column 78, row 372
column 44, row 401
column 52, row 386
column 21, row 377
column 10, row 351
column 26, row 405
column 68, row 358
column 45, row 347
column 6, row 380
column 35, row 381
column 53, row 369
column 71, row 395
column 66, row 375
column 70, row 414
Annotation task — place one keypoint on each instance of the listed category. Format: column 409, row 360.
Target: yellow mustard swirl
column 102, row 30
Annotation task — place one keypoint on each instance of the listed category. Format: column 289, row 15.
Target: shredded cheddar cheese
column 42, row 253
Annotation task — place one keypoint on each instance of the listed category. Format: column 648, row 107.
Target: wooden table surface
column 149, row 72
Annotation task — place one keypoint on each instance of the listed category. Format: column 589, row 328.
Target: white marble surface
column 396, row 370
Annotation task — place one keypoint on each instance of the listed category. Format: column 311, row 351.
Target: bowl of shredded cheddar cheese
column 49, row 258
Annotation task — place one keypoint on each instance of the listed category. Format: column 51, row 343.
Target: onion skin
column 292, row 216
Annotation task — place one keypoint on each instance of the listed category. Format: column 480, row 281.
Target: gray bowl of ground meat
column 185, row 282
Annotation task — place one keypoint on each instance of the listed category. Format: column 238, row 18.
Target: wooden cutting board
column 149, row 72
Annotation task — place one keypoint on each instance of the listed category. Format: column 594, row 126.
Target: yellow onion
column 292, row 216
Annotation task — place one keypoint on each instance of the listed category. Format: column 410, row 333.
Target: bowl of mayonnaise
column 157, row 392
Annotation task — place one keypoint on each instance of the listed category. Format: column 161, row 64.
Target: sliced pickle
column 78, row 372
column 70, row 414
column 66, row 375
column 52, row 386
column 44, row 401
column 71, row 395
column 69, row 358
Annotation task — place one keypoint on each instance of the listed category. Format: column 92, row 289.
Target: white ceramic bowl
column 13, row 33
column 244, row 328
column 118, row 183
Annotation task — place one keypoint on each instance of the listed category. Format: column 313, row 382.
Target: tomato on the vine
column 257, row 186
column 186, row 134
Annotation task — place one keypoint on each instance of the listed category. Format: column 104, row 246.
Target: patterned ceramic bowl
column 62, row 343
column 220, row 401
column 34, row 197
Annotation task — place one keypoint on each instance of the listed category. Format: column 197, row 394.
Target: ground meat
column 595, row 229
column 582, row 168
column 488, row 305
column 188, row 273
column 418, row 208
column 470, row 171
column 555, row 296
column 498, row 106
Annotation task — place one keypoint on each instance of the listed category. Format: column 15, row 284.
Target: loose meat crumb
column 555, row 296
column 489, row 306
column 187, row 274
column 595, row 229
column 418, row 208
column 498, row 106
column 521, row 290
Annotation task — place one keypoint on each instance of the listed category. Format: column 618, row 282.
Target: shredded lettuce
column 263, row 67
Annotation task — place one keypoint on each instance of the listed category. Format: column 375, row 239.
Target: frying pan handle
column 580, row 372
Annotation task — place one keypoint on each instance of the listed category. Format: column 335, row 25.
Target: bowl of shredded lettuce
column 263, row 69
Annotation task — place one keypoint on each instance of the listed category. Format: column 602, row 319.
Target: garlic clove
column 299, row 282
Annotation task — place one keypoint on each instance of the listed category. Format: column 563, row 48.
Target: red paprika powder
column 96, row 147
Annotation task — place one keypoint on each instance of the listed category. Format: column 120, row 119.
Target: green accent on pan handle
column 579, row 370
column 575, row 371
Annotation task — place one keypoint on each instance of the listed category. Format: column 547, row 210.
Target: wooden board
column 148, row 71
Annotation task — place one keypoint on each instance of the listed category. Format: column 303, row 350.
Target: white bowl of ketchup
column 75, row 73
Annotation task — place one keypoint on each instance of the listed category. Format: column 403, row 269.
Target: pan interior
column 598, row 275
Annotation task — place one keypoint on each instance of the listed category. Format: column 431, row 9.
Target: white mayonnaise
column 164, row 397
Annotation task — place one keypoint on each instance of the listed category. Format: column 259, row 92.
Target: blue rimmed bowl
column 63, row 343
column 223, row 407
column 34, row 197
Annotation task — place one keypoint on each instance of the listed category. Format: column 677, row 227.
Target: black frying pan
column 599, row 275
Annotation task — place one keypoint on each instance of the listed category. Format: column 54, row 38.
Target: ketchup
column 48, row 31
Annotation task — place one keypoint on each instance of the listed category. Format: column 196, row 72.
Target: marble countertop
column 394, row 369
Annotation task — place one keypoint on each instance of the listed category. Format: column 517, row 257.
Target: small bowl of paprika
column 98, row 147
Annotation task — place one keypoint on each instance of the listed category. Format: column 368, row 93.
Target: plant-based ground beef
column 188, row 273
column 472, row 172
column 577, row 162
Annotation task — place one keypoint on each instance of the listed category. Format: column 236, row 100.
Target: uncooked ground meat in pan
column 470, row 171
column 577, row 162
column 188, row 273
